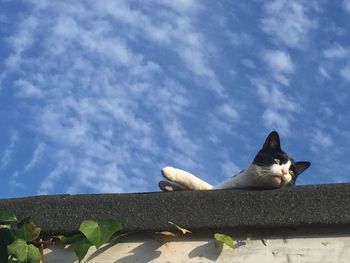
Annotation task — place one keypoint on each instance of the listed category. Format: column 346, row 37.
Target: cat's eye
column 277, row 161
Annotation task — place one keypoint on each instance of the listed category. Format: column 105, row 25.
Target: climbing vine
column 22, row 241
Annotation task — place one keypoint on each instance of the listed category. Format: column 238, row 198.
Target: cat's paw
column 167, row 186
column 169, row 173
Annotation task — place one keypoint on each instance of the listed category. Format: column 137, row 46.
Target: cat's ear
column 301, row 166
column 272, row 141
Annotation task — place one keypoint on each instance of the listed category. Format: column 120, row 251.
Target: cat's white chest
column 247, row 177
column 256, row 176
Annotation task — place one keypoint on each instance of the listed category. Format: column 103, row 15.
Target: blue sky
column 98, row 96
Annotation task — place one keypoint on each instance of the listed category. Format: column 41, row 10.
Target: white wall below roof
column 325, row 249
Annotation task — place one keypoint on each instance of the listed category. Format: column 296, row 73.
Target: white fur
column 186, row 179
column 253, row 176
column 259, row 176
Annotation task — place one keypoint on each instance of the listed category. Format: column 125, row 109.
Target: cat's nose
column 284, row 171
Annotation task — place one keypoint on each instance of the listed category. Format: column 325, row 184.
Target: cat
column 271, row 168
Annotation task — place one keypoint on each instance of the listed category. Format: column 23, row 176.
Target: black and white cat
column 271, row 168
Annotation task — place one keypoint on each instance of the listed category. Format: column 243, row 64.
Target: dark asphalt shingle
column 301, row 206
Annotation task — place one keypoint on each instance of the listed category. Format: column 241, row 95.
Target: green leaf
column 3, row 253
column 71, row 239
column 99, row 234
column 225, row 239
column 7, row 217
column 23, row 252
column 6, row 236
column 81, row 248
column 28, row 231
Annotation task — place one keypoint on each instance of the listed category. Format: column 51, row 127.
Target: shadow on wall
column 58, row 254
column 145, row 252
column 211, row 250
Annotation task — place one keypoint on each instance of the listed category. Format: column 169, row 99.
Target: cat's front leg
column 185, row 179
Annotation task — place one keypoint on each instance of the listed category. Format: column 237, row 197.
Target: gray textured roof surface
column 301, row 206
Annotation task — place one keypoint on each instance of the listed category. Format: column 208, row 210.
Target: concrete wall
column 288, row 249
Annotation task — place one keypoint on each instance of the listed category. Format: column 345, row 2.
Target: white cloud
column 346, row 4
column 168, row 100
column 280, row 64
column 15, row 181
column 223, row 119
column 229, row 113
column 110, row 180
column 6, row 155
column 323, row 72
column 279, row 61
column 97, row 102
column 345, row 72
column 239, row 39
column 175, row 131
column 181, row 5
column 36, row 157
column 27, row 89
column 321, row 140
column 279, row 106
column 288, row 22
column 196, row 61
column 105, row 103
column 21, row 40
column 49, row 183
column 277, row 120
column 335, row 52
column 175, row 31
column 274, row 98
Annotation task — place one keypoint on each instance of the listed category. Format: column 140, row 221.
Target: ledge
column 295, row 207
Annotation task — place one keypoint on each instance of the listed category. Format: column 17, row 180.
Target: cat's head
column 277, row 168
